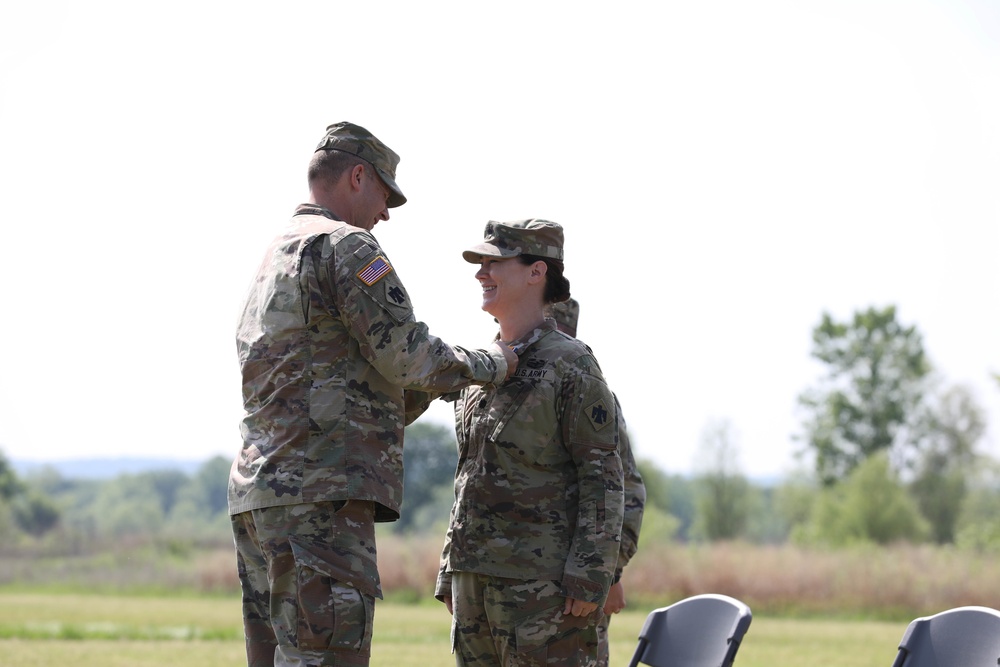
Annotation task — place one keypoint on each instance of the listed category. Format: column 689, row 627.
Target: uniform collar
column 315, row 209
column 524, row 342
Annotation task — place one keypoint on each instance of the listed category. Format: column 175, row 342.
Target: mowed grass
column 46, row 630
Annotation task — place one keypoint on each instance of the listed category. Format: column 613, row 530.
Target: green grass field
column 46, row 630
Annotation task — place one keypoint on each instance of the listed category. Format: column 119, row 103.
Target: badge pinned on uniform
column 377, row 269
column 599, row 415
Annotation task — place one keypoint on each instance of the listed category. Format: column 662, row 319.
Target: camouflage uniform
column 327, row 343
column 567, row 315
column 635, row 502
column 538, row 508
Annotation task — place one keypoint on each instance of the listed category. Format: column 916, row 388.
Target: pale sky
column 725, row 172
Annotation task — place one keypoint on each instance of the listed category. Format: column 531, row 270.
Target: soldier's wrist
column 499, row 363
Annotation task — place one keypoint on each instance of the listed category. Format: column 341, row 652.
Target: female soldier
column 533, row 537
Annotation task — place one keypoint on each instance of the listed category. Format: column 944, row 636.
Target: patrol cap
column 520, row 237
column 566, row 314
column 356, row 140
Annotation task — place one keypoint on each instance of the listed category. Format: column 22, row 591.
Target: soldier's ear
column 357, row 174
column 538, row 271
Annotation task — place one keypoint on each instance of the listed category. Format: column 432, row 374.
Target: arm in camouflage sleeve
column 635, row 498
column 590, row 433
column 415, row 402
column 373, row 304
column 442, row 588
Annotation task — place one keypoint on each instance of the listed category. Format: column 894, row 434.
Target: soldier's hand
column 616, row 599
column 579, row 607
column 447, row 603
column 511, row 358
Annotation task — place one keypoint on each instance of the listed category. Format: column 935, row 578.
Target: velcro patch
column 599, row 415
column 377, row 269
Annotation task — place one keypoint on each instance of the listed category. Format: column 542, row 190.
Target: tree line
column 888, row 453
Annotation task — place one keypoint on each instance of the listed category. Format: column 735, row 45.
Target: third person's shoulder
column 576, row 353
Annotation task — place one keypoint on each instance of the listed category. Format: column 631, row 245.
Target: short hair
column 330, row 165
column 556, row 284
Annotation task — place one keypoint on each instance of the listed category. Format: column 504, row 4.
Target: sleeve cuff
column 584, row 590
column 499, row 363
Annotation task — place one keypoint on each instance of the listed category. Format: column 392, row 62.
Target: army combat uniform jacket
column 327, row 342
column 538, row 491
column 635, row 499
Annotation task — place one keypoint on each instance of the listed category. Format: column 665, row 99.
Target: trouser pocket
column 334, row 613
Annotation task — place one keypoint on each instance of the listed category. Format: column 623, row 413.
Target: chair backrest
column 960, row 637
column 700, row 631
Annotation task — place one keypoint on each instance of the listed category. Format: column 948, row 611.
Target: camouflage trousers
column 518, row 623
column 603, row 650
column 309, row 580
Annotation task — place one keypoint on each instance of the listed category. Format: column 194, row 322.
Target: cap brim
column 475, row 254
column 396, row 196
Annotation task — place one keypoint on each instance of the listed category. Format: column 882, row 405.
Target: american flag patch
column 374, row 272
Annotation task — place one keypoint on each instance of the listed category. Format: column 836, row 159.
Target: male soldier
column 567, row 314
column 327, row 344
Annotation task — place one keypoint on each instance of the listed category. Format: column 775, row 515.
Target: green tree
column 722, row 491
column 794, row 500
column 671, row 496
column 658, row 527
column 127, row 506
column 668, row 497
column 201, row 508
column 871, row 505
column 75, row 499
column 979, row 523
column 10, row 485
column 874, row 381
column 766, row 524
column 21, row 505
column 948, row 434
column 166, row 484
column 656, row 483
column 34, row 513
column 430, row 457
column 211, row 485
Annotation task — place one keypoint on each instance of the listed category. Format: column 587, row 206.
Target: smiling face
column 510, row 285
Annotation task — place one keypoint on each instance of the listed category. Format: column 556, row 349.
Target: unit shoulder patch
column 599, row 415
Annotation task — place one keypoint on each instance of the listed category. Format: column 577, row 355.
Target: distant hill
column 104, row 468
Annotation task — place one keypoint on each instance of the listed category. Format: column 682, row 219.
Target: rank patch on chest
column 599, row 415
column 377, row 269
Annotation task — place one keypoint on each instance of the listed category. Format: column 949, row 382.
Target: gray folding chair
column 960, row 637
column 700, row 631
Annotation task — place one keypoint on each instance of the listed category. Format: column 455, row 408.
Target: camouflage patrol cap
column 521, row 237
column 566, row 314
column 356, row 140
